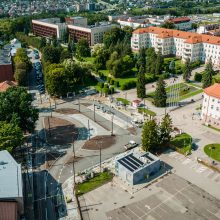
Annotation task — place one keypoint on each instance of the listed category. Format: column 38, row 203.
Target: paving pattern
column 177, row 199
column 196, row 167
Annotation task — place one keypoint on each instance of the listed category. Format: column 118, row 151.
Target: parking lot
column 172, row 198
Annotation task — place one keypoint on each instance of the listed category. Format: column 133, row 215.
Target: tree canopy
column 208, row 74
column 15, row 107
column 11, row 136
column 160, row 95
column 82, row 48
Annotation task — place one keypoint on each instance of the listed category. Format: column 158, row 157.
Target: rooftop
column 11, row 179
column 136, row 160
column 5, row 55
column 191, row 38
column 6, row 84
column 213, row 90
column 179, row 20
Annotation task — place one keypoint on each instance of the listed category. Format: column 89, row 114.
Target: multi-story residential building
column 51, row 27
column 211, row 29
column 76, row 26
column 11, row 193
column 185, row 45
column 211, row 105
column 182, row 23
column 94, row 34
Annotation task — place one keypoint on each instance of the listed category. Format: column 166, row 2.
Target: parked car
column 132, row 144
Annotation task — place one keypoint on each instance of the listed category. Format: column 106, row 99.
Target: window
column 212, row 106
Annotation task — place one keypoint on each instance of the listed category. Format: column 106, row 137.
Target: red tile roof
column 213, row 90
column 179, row 20
column 6, row 84
column 191, row 38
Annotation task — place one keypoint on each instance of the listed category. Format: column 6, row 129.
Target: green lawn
column 93, row 183
column 213, row 151
column 146, row 111
column 124, row 101
column 185, row 91
column 182, row 143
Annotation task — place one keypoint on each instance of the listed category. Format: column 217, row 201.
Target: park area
column 213, row 151
column 178, row 92
column 182, row 143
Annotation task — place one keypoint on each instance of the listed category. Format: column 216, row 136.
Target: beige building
column 186, row 45
column 211, row 105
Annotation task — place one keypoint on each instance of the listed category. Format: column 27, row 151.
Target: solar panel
column 125, row 165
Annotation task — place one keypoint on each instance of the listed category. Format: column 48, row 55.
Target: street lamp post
column 112, row 125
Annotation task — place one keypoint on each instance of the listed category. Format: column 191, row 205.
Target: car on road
column 132, row 144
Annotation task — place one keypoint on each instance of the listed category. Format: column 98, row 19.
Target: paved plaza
column 170, row 198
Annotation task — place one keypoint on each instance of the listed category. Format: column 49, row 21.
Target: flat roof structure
column 136, row 166
column 10, row 177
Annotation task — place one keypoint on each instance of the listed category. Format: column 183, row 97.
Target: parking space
column 171, row 198
column 176, row 199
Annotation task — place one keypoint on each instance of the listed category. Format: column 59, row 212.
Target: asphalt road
column 48, row 196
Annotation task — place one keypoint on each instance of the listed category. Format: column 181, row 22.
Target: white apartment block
column 185, row 45
column 211, row 105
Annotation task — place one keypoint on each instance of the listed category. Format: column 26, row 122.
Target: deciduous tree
column 141, row 92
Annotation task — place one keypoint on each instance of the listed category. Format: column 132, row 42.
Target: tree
column 169, row 25
column 141, row 92
column 187, row 70
column 159, row 64
column 65, row 54
column 82, row 48
column 207, row 75
column 21, row 77
column 15, row 106
column 160, row 95
column 43, row 42
column 165, row 130
column 150, row 139
column 51, row 54
column 150, row 63
column 11, row 136
column 141, row 59
column 172, row 66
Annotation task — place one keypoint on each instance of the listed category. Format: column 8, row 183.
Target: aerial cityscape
column 109, row 110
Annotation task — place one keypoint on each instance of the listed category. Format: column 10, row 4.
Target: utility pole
column 50, row 108
column 79, row 104
column 48, row 119
column 88, row 130
column 112, row 125
column 100, row 156
column 74, row 173
column 94, row 111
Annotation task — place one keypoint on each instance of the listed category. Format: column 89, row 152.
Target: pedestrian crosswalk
column 197, row 167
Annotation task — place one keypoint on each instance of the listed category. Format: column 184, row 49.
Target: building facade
column 93, row 34
column 211, row 106
column 49, row 28
column 182, row 23
column 136, row 166
column 6, row 68
column 76, row 26
column 185, row 45
column 11, row 193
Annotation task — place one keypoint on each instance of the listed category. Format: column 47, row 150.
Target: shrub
column 116, row 83
column 101, row 84
column 198, row 77
column 128, row 85
column 108, row 79
column 106, row 86
column 111, row 90
column 195, row 64
column 149, row 78
column 112, row 82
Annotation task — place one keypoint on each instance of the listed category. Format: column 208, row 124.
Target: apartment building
column 76, row 26
column 94, row 34
column 51, row 27
column 182, row 23
column 185, row 45
column 211, row 105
